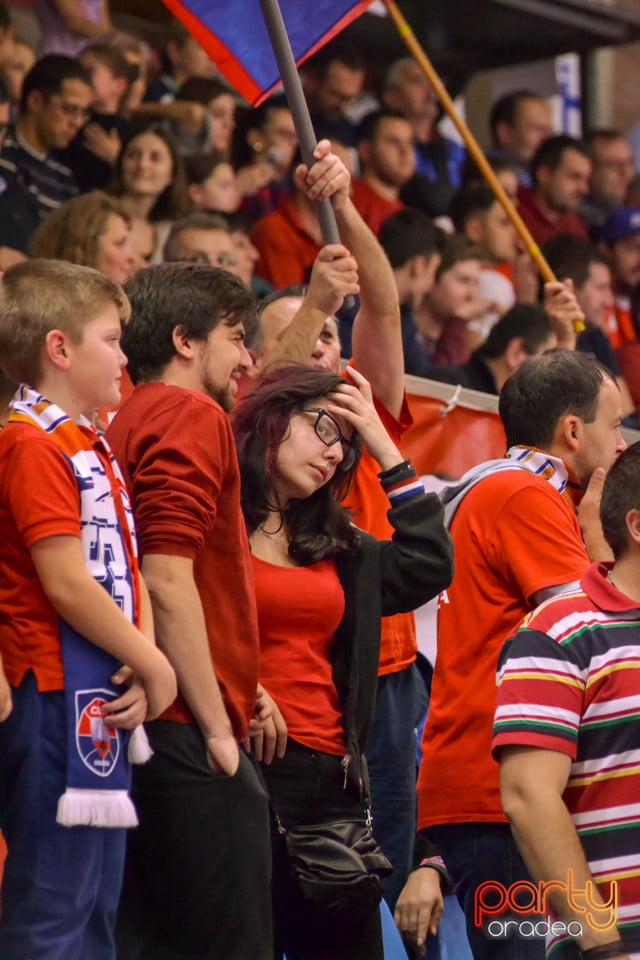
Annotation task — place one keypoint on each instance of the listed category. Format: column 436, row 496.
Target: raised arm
column 376, row 336
column 333, row 277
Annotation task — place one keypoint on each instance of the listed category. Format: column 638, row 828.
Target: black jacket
column 381, row 578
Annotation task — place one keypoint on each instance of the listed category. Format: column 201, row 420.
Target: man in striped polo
column 567, row 737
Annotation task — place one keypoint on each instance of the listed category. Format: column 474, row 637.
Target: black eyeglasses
column 328, row 430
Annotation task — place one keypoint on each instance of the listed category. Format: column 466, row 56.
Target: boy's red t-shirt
column 39, row 498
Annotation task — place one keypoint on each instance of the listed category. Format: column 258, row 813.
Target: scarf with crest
column 98, row 756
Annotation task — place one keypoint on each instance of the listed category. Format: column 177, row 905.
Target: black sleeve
column 417, row 563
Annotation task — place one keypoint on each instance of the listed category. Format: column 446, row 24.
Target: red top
column 286, row 250
column 513, row 535
column 299, row 610
column 540, row 226
column 39, row 498
column 372, row 207
column 177, row 454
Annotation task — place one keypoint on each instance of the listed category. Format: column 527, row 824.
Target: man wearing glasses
column 201, row 238
column 54, row 105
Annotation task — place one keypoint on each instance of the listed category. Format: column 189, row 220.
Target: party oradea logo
column 98, row 743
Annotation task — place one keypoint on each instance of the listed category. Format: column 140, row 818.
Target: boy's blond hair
column 43, row 295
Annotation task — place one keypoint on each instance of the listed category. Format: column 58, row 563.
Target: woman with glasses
column 322, row 585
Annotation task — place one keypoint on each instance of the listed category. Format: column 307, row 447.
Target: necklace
column 279, row 535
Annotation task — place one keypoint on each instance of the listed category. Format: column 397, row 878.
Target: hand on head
column 352, row 403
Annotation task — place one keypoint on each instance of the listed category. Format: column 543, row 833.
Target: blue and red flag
column 234, row 35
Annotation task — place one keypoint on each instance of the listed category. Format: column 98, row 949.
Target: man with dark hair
column 517, row 542
column 569, row 674
column 387, row 162
column 519, row 122
column 524, row 331
column 332, row 81
column 413, row 245
column 612, row 172
column 439, row 333
column 198, row 867
column 560, row 171
column 54, row 105
column 478, row 215
column 576, row 259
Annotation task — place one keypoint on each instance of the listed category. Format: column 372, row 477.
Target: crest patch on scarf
column 98, row 744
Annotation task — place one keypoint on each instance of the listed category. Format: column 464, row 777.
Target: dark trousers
column 198, row 869
column 306, row 787
column 478, row 852
column 61, row 884
column 401, row 702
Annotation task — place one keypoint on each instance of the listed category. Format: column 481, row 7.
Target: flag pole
column 472, row 145
column 298, row 105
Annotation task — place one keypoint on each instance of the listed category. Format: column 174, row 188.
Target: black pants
column 306, row 787
column 197, row 874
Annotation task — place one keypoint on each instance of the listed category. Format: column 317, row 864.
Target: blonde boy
column 73, row 612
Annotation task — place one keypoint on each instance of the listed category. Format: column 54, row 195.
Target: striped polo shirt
column 569, row 681
column 50, row 181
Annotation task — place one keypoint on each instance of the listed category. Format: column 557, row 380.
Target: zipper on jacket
column 344, row 763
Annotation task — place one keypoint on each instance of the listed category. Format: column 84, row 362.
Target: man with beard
column 560, row 171
column 198, row 867
column 387, row 160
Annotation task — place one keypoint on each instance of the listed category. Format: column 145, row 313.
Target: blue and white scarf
column 98, row 756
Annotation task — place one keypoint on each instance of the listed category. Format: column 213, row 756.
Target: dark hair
column 527, row 321
column 4, row 89
column 606, row 134
column 469, row 201
column 49, row 73
column 551, row 152
column 193, row 297
column 174, row 200
column 505, row 110
column 409, row 233
column 571, row 256
column 252, row 118
column 457, row 249
column 318, row 526
column 199, row 166
column 545, row 389
column 368, row 128
column 340, row 51
column 5, row 17
column 620, row 494
column 203, row 90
